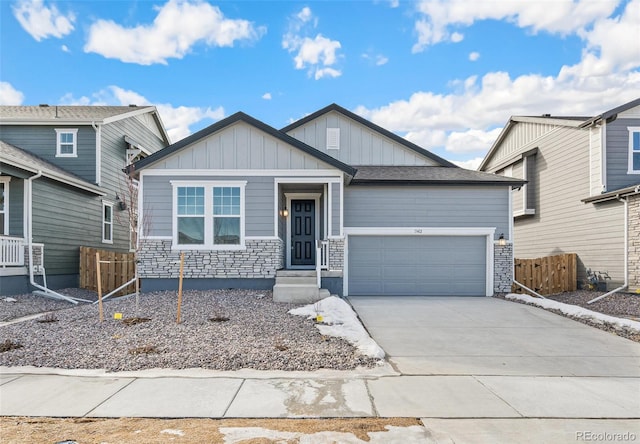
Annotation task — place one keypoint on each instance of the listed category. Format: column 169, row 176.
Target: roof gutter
column 98, row 129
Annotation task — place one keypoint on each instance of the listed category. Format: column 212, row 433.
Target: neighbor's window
column 634, row 150
column 209, row 215
column 107, row 222
column 4, row 205
column 66, row 145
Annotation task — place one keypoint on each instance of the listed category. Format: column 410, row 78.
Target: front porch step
column 297, row 286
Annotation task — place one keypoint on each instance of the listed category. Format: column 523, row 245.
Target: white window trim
column 208, row 185
column 5, row 180
column 106, row 204
column 632, row 129
column 59, row 132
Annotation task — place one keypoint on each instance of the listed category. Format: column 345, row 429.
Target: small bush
column 49, row 317
column 134, row 321
column 144, row 350
column 9, row 345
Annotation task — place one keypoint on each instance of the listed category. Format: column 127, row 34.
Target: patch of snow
column 172, row 432
column 339, row 320
column 574, row 310
column 393, row 435
column 10, row 300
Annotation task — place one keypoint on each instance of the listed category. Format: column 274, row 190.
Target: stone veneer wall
column 336, row 254
column 502, row 268
column 260, row 259
column 634, row 242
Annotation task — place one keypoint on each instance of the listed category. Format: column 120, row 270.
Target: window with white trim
column 107, row 222
column 634, row 150
column 66, row 142
column 208, row 215
column 4, row 205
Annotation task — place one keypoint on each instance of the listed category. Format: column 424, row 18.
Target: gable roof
column 611, row 113
column 570, row 121
column 239, row 116
column 75, row 115
column 429, row 175
column 400, row 140
column 19, row 158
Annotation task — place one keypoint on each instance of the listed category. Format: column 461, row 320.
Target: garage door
column 417, row 265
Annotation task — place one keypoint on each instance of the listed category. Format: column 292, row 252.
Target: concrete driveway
column 479, row 350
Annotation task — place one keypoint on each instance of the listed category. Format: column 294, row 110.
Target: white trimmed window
column 66, row 142
column 333, row 138
column 107, row 222
column 4, row 205
column 208, row 215
column 634, row 150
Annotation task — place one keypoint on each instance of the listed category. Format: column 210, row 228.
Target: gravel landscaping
column 220, row 330
column 620, row 305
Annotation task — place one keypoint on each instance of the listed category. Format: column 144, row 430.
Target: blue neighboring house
column 62, row 186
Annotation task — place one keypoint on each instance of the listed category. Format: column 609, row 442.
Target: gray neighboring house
column 331, row 198
column 61, row 180
column 583, row 189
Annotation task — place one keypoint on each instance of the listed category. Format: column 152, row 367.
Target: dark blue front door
column 303, row 232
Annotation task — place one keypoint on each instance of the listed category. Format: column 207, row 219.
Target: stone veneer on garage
column 503, row 268
column 633, row 259
column 260, row 259
column 336, row 254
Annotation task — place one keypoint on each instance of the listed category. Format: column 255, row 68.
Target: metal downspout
column 30, row 242
column 626, row 253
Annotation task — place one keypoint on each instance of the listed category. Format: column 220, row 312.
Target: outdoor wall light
column 285, row 212
column 501, row 240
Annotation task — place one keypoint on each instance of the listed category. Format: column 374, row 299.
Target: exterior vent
column 43, row 105
column 133, row 105
column 546, row 115
column 333, row 138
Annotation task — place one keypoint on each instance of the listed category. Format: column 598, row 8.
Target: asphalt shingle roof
column 428, row 175
column 75, row 113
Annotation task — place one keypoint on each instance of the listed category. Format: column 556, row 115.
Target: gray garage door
column 417, row 265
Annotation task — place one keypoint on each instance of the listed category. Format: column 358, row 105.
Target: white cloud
column 179, row 25
column 563, row 17
column 471, row 164
column 315, row 54
column 376, row 59
column 468, row 118
column 457, row 37
column 9, row 95
column 41, row 21
column 266, row 96
column 65, row 48
column 474, row 56
column 177, row 120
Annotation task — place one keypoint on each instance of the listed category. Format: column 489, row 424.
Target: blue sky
column 446, row 75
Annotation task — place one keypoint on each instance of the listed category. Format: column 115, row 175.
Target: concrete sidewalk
column 382, row 392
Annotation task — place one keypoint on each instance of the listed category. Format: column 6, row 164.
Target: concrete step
column 296, row 273
column 296, row 280
column 295, row 294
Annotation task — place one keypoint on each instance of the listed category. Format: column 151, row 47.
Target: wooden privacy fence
column 120, row 270
column 547, row 275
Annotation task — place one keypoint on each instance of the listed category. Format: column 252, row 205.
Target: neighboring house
column 252, row 206
column 582, row 194
column 61, row 180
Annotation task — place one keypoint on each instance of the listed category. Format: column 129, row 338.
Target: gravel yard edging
column 258, row 335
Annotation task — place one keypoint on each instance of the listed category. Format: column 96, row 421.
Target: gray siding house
column 583, row 189
column 330, row 201
column 62, row 184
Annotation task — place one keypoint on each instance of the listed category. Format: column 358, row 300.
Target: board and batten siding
column 41, row 141
column 359, row 145
column 158, row 203
column 240, row 146
column 335, row 209
column 427, row 206
column 522, row 137
column 617, row 149
column 562, row 222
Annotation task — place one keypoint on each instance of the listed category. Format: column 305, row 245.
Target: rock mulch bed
column 17, row 306
column 259, row 334
column 620, row 305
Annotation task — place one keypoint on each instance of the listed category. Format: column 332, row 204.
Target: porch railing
column 11, row 251
column 322, row 258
